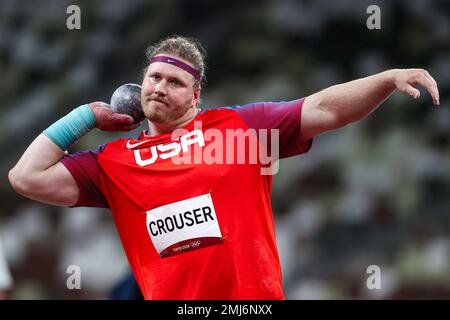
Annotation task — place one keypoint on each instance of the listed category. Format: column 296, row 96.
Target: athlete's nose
column 160, row 88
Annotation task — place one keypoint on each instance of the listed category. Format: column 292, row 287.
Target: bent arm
column 345, row 103
column 40, row 176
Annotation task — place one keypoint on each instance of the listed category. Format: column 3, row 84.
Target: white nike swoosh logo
column 134, row 145
column 170, row 61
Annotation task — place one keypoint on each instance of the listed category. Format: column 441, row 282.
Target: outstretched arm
column 348, row 102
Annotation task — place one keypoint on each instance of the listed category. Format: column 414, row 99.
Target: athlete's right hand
column 108, row 120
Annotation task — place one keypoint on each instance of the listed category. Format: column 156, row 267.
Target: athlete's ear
column 197, row 93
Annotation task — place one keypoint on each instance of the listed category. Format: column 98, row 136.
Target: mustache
column 159, row 99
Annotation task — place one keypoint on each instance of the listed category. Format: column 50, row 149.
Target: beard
column 160, row 111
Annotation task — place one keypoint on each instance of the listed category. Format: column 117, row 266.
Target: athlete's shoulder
column 235, row 108
column 239, row 113
column 214, row 114
column 112, row 147
column 239, row 107
column 231, row 109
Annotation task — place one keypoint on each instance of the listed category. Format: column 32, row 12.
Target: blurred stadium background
column 376, row 192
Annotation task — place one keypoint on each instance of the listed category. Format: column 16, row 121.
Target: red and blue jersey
column 194, row 226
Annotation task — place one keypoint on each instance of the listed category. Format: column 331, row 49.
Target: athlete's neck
column 163, row 128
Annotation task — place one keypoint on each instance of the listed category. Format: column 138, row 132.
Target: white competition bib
column 184, row 226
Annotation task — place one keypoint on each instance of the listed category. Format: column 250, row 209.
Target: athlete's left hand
column 406, row 81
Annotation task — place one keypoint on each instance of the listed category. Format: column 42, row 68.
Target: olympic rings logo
column 195, row 243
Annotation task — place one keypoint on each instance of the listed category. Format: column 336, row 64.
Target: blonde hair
column 189, row 49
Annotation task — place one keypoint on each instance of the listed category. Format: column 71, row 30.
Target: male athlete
column 193, row 228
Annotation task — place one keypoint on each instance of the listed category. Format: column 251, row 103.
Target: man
column 193, row 229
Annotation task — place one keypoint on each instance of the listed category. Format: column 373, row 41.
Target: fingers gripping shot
column 193, row 228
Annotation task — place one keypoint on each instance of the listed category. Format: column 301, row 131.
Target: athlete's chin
column 155, row 111
column 157, row 116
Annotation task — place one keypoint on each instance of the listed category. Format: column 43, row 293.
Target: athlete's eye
column 155, row 77
column 175, row 83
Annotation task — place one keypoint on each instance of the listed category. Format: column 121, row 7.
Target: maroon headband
column 178, row 63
